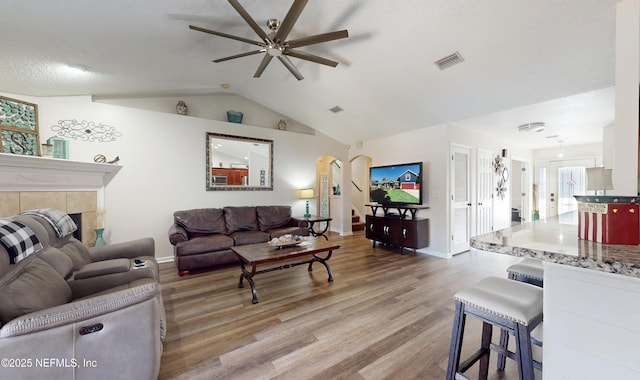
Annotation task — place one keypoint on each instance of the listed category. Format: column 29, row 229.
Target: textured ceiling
column 525, row 61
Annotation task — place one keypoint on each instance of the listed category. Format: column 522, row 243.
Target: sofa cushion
column 240, row 219
column 58, row 260
column 77, row 252
column 32, row 286
column 250, row 237
column 273, row 216
column 201, row 220
column 204, row 244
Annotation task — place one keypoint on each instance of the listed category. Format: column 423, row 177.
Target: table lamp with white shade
column 307, row 194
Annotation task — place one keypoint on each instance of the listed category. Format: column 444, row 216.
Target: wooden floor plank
column 385, row 315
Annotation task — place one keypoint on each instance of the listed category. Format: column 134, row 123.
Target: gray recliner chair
column 53, row 325
column 88, row 270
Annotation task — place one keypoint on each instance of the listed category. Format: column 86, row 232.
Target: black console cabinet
column 397, row 229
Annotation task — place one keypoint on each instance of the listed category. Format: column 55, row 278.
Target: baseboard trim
column 165, row 259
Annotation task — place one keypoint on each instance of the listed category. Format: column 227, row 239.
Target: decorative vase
column 181, row 108
column 234, row 117
column 99, row 240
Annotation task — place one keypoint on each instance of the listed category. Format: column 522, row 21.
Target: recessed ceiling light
column 79, row 68
column 336, row 109
column 536, row 127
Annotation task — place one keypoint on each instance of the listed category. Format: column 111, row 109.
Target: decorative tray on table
column 286, row 241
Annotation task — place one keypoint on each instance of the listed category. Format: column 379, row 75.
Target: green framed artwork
column 19, row 127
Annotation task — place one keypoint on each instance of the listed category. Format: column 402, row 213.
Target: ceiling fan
column 275, row 43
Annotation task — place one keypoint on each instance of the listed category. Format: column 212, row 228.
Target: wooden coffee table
column 264, row 254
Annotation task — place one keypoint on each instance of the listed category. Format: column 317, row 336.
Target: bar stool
column 528, row 270
column 509, row 305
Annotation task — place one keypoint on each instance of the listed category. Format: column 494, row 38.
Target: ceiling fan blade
column 310, row 57
column 287, row 63
column 263, row 65
column 238, row 55
column 252, row 23
column 289, row 20
column 225, row 35
column 318, row 38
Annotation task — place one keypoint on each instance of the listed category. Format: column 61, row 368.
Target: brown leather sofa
column 203, row 237
column 68, row 311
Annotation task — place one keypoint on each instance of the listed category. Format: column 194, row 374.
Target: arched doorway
column 332, row 195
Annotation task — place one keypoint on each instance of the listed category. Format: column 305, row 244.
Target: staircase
column 356, row 224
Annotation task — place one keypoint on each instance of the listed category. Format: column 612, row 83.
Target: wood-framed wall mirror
column 238, row 163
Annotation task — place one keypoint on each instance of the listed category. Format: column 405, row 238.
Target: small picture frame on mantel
column 47, row 150
column 60, row 147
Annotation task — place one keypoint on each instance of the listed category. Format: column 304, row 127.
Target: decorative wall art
column 19, row 127
column 501, row 190
column 86, row 131
column 498, row 164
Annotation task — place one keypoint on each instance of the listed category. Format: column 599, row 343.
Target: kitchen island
column 591, row 297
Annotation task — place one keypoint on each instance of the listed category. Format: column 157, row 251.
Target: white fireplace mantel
column 29, row 173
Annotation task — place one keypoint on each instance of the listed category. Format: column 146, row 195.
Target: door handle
column 469, row 204
column 479, row 203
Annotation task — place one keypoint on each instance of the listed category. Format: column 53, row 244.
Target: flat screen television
column 396, row 184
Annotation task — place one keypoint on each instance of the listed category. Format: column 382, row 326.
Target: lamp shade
column 306, row 194
column 608, row 179
column 599, row 179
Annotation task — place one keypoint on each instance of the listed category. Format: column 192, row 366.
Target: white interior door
column 484, row 200
column 460, row 198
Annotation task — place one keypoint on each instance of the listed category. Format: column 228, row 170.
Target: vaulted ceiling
column 524, row 61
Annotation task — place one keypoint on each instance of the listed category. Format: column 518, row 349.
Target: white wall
column 424, row 145
column 163, row 164
column 212, row 106
column 431, row 146
column 625, row 132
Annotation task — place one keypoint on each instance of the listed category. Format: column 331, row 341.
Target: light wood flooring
column 385, row 316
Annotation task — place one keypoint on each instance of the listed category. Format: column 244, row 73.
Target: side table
column 313, row 219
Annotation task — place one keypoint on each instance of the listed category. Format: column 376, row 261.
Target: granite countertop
column 556, row 240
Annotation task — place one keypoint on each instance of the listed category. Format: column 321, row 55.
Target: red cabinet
column 609, row 223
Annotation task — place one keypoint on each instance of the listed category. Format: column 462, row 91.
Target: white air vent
column 449, row 61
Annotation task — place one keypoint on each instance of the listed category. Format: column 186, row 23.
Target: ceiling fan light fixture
column 275, row 42
column 274, row 51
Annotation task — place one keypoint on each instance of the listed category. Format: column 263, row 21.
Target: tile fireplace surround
column 28, row 182
column 71, row 202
